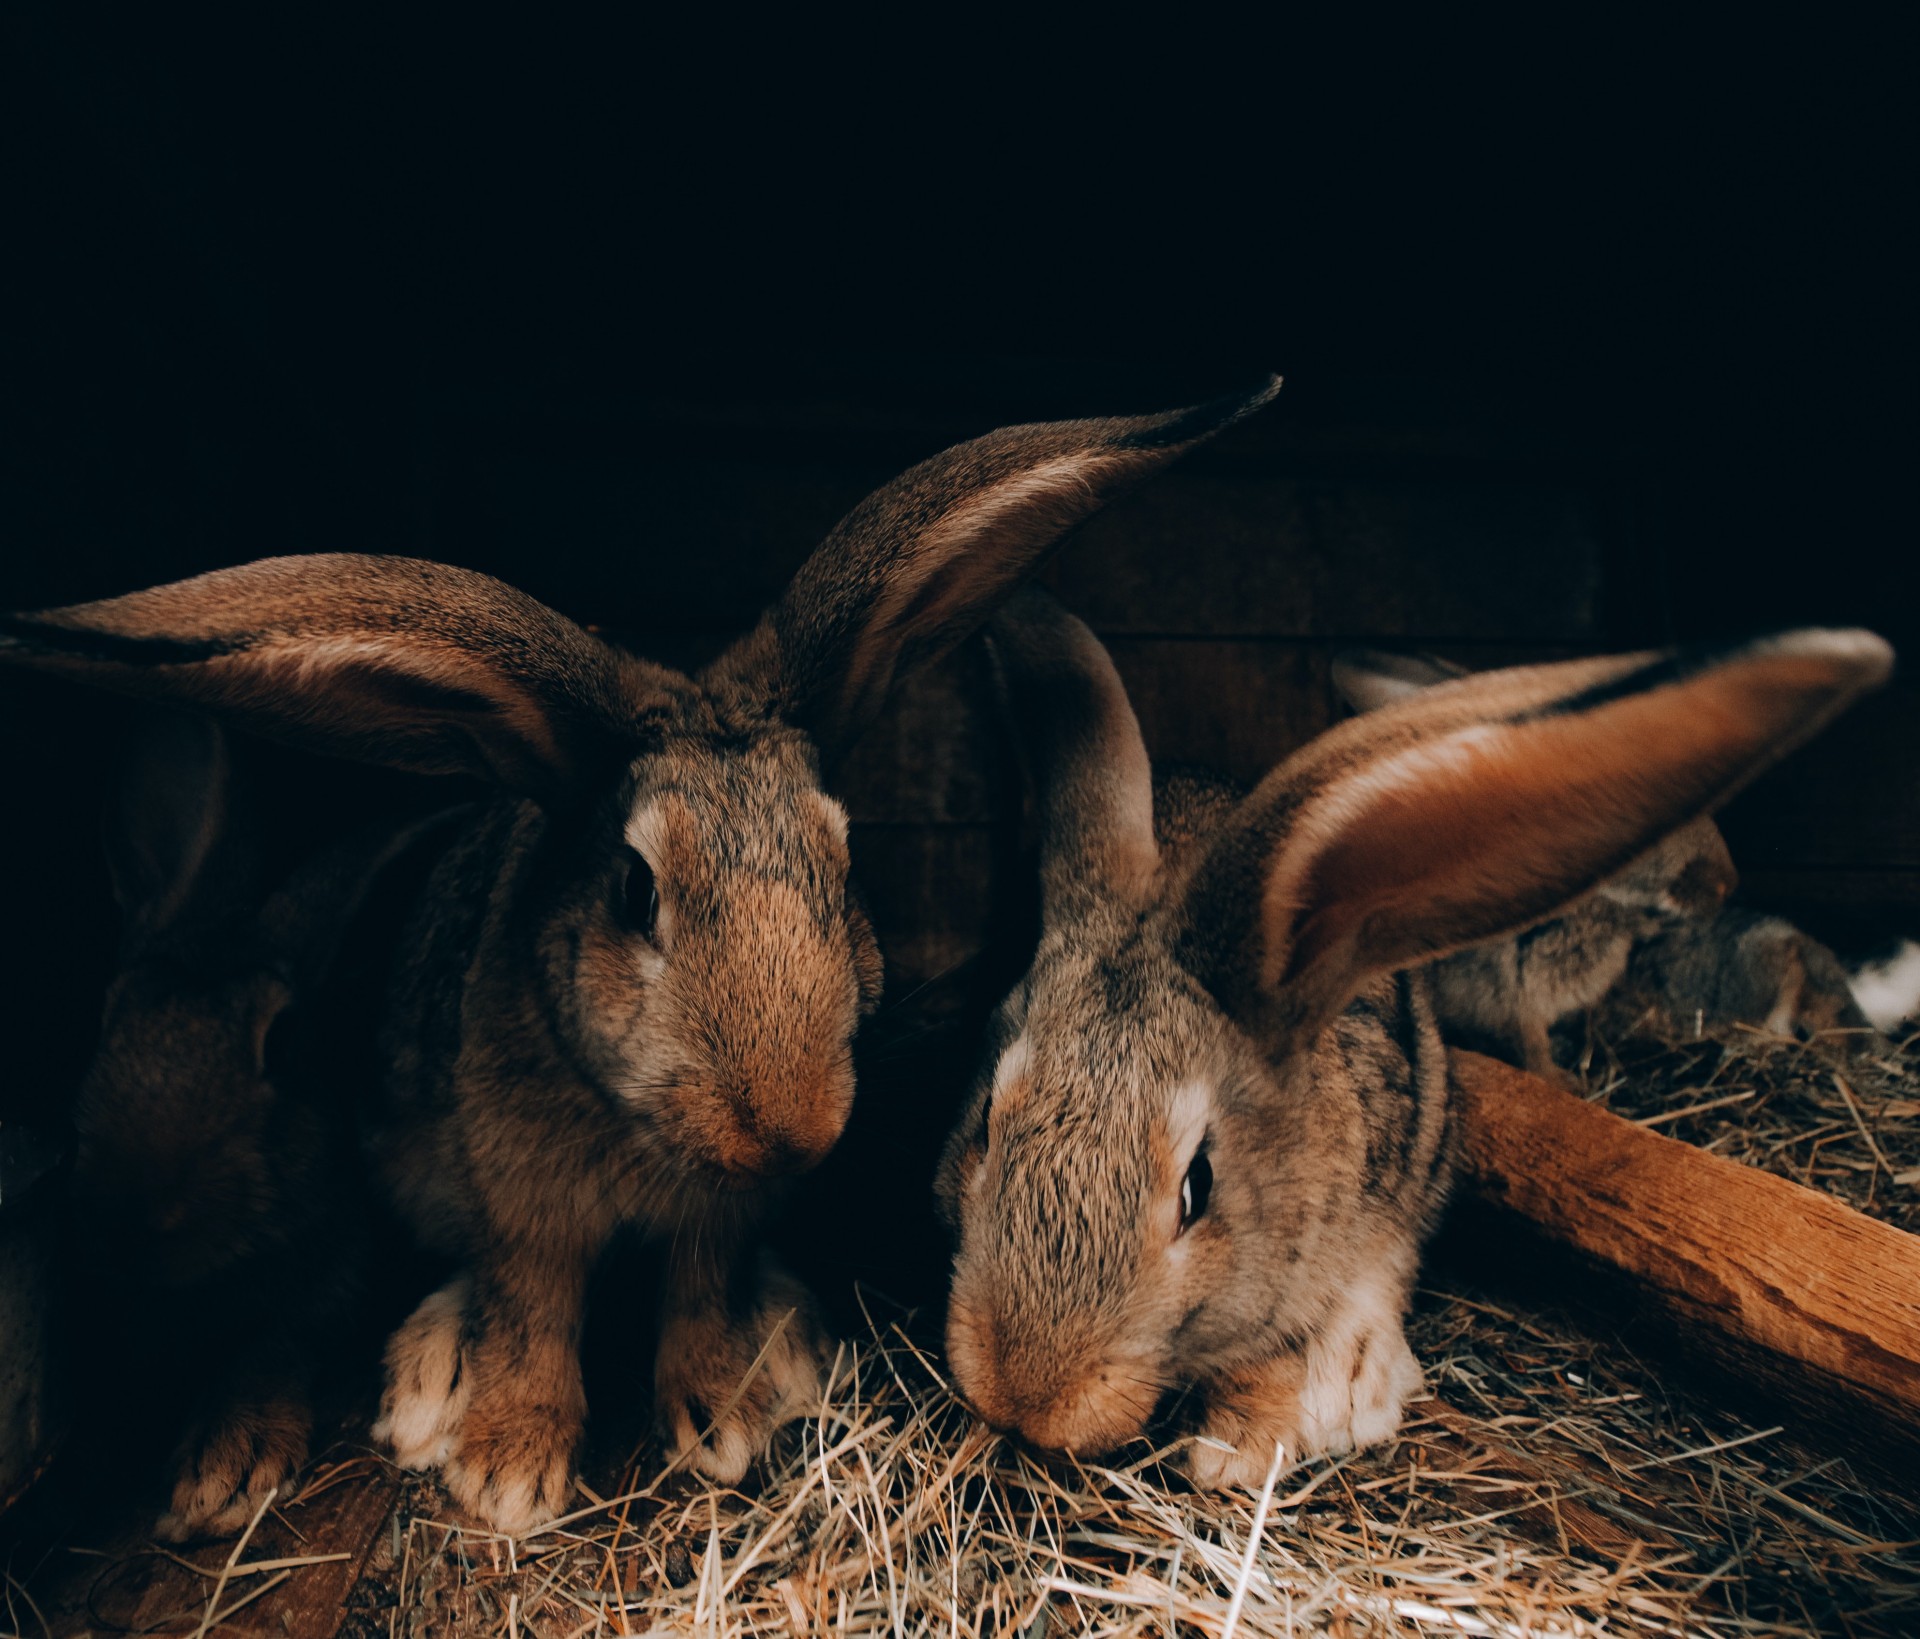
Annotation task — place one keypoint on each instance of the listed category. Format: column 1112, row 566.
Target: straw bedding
column 1550, row 1488
column 1836, row 1113
column 1552, row 1485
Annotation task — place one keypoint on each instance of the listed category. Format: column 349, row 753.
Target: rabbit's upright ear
column 1367, row 679
column 1469, row 812
column 415, row 665
column 170, row 827
column 920, row 563
column 1086, row 763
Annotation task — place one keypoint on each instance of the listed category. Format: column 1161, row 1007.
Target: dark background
column 1594, row 336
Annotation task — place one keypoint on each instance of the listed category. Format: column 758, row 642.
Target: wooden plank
column 1200, row 553
column 707, row 542
column 934, row 893
column 940, row 753
column 1234, row 707
column 1804, row 1299
column 346, row 1512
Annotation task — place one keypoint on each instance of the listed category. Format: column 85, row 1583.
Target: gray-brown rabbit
column 1213, row 1131
column 215, row 1179
column 1505, row 998
column 630, row 987
column 1740, row 967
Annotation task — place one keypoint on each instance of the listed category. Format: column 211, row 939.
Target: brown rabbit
column 215, row 1179
column 630, row 987
column 1213, row 1132
column 1505, row 998
column 1741, row 967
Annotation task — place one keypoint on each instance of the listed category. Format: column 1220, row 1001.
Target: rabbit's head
column 1152, row 1187
column 684, row 869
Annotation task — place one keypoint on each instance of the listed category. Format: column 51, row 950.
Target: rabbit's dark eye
column 640, row 903
column 1195, row 1190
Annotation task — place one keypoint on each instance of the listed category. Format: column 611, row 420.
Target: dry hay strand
column 1837, row 1113
column 1549, row 1488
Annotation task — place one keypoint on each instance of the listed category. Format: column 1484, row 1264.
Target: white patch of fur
column 1013, row 1064
column 646, row 835
column 1360, row 1372
column 1187, row 1115
column 1889, row 992
column 834, row 815
column 427, row 1388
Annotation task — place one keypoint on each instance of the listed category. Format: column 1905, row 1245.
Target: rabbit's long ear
column 922, row 562
column 170, row 830
column 415, row 665
column 1368, row 679
column 1470, row 811
column 1086, row 763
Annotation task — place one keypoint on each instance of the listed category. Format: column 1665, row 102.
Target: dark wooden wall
column 1383, row 511
column 1589, row 344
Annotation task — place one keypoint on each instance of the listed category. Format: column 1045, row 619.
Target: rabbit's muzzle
column 1046, row 1402
column 754, row 1136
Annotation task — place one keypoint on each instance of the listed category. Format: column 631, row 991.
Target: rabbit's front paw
column 1358, row 1380
column 707, row 1404
column 231, row 1463
column 513, row 1463
column 1247, row 1415
column 428, row 1385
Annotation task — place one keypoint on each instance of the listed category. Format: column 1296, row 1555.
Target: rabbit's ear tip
column 1203, row 420
column 1860, row 651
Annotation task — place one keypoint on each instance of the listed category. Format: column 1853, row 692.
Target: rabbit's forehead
column 696, row 817
column 1120, row 1027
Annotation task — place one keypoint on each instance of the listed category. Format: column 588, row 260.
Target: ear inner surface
column 416, row 665
column 1087, row 762
column 1368, row 679
column 923, row 561
column 1471, row 812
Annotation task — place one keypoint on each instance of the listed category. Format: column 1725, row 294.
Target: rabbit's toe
column 1246, row 1419
column 427, row 1382
column 231, row 1465
column 514, row 1468
column 1359, row 1378
column 724, row 1383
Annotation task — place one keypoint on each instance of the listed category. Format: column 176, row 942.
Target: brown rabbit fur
column 628, row 992
column 215, row 1181
column 1741, row 967
column 1505, row 998
column 1212, row 1133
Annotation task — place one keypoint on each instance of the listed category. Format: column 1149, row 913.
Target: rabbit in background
column 1212, row 1132
column 628, row 990
column 1739, row 968
column 1505, row 998
column 215, row 1183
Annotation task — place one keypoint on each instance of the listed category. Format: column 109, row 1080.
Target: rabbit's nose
column 775, row 1144
column 1098, row 1413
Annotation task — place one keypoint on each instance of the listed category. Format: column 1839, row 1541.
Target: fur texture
column 1212, row 1132
column 628, row 991
column 1505, row 998
column 1740, row 967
